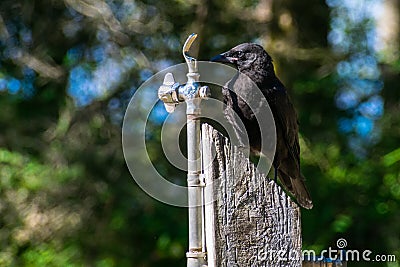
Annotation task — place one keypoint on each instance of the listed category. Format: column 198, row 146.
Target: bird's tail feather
column 297, row 187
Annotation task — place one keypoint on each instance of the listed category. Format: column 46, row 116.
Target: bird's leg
column 275, row 174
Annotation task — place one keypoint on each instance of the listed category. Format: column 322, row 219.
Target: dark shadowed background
column 68, row 69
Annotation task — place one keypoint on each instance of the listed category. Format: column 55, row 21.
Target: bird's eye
column 240, row 54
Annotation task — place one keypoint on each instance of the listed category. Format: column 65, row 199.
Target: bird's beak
column 223, row 58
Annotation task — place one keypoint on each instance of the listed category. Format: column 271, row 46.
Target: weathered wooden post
column 250, row 221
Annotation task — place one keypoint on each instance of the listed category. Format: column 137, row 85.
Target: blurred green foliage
column 67, row 71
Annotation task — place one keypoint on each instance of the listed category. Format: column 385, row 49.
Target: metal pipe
column 196, row 254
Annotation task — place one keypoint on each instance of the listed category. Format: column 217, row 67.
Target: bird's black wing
column 287, row 158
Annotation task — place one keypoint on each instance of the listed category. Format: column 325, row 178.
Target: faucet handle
column 168, row 92
column 190, row 61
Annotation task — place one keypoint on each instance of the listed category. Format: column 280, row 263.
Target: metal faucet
column 172, row 93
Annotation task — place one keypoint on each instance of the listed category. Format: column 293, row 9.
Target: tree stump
column 249, row 219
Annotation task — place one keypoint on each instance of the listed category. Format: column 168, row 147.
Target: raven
column 254, row 62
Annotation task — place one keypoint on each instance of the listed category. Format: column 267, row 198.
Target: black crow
column 254, row 62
